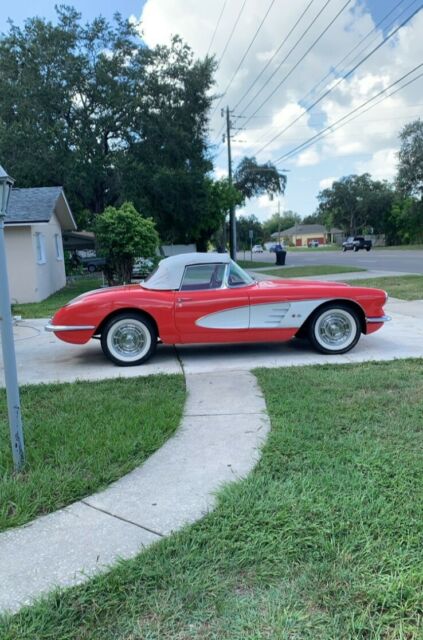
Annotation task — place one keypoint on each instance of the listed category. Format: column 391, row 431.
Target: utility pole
column 232, row 218
column 8, row 345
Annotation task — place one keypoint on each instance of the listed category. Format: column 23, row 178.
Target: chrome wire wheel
column 335, row 330
column 128, row 340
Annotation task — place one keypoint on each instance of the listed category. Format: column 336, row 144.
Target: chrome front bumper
column 58, row 327
column 378, row 320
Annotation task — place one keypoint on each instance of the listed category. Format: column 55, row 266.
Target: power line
column 245, row 54
column 231, row 33
column 216, row 27
column 375, row 28
column 285, row 59
column 275, row 54
column 344, row 77
column 318, row 135
column 300, row 60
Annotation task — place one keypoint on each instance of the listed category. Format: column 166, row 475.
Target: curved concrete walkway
column 218, row 441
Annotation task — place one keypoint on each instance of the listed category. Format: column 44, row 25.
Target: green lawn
column 80, row 437
column 323, row 541
column 50, row 305
column 247, row 264
column 405, row 287
column 309, row 270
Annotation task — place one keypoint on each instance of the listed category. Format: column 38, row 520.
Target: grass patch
column 255, row 264
column 321, row 542
column 405, row 287
column 48, row 307
column 310, row 270
column 80, row 437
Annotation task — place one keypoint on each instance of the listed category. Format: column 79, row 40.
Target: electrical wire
column 375, row 28
column 283, row 61
column 274, row 55
column 330, row 128
column 231, row 33
column 344, row 77
column 216, row 27
column 244, row 56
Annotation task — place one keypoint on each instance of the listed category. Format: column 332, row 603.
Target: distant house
column 34, row 224
column 300, row 235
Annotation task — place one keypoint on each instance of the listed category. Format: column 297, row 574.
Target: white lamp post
column 8, row 345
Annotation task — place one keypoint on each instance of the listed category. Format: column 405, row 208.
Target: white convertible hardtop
column 170, row 270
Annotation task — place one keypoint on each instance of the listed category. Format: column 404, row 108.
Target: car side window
column 198, row 277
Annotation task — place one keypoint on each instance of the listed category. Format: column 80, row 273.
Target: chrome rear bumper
column 377, row 320
column 58, row 327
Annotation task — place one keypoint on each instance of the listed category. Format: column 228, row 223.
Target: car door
column 207, row 310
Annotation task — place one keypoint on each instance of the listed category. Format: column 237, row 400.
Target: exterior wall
column 301, row 240
column 51, row 275
column 20, row 263
column 30, row 281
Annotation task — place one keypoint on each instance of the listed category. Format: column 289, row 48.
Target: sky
column 281, row 94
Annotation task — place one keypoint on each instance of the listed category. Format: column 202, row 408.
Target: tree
column 356, row 204
column 122, row 235
column 252, row 179
column 280, row 222
column 245, row 224
column 410, row 169
column 92, row 108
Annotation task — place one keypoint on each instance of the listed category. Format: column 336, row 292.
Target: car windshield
column 237, row 277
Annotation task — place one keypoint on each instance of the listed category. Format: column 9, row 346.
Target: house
column 35, row 221
column 300, row 235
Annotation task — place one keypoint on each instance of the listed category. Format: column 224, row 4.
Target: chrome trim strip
column 380, row 319
column 58, row 327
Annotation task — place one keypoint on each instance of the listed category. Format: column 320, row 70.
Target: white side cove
column 273, row 315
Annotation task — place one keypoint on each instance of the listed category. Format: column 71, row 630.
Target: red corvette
column 208, row 298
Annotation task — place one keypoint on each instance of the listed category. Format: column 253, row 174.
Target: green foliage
column 82, row 436
column 244, row 225
column 122, row 235
column 92, row 108
column 280, row 222
column 356, row 204
column 410, row 170
column 253, row 179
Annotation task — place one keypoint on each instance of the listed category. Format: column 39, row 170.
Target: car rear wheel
column 128, row 339
column 91, row 268
column 335, row 329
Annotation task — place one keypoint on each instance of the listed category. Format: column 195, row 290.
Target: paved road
column 377, row 260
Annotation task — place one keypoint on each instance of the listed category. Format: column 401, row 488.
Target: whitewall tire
column 335, row 329
column 129, row 339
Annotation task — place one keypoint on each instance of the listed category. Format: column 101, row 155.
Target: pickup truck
column 355, row 243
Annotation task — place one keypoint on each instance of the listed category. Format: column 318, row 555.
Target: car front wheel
column 335, row 329
column 128, row 339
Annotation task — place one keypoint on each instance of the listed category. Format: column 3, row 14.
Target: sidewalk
column 332, row 277
column 218, row 442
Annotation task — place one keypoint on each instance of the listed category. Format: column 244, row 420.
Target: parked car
column 208, row 298
column 90, row 263
column 355, row 243
column 142, row 267
column 313, row 243
column 257, row 248
column 276, row 247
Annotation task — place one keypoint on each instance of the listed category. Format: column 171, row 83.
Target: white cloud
column 382, row 165
column 367, row 142
column 326, row 183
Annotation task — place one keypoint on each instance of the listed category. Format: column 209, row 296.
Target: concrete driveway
column 42, row 357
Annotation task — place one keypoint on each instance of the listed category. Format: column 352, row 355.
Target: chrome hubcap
column 335, row 329
column 129, row 340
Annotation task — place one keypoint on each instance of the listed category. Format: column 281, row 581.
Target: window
column 40, row 248
column 203, row 276
column 58, row 246
column 238, row 277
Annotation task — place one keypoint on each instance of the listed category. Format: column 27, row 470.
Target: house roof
column 35, row 205
column 304, row 229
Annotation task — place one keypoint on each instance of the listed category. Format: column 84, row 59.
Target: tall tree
column 410, row 169
column 356, row 204
column 92, row 108
column 280, row 222
column 253, row 179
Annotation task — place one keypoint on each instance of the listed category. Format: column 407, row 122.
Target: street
column 376, row 260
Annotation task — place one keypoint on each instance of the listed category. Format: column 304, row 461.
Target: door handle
column 181, row 300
